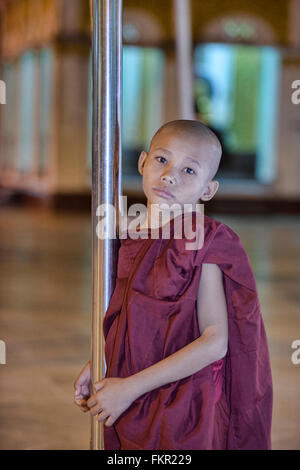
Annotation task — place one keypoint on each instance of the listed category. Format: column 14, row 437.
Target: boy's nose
column 168, row 178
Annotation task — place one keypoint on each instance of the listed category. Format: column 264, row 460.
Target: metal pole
column 184, row 58
column 106, row 173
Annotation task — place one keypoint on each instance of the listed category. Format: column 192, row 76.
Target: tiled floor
column 45, row 322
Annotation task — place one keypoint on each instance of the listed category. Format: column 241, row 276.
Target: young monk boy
column 185, row 346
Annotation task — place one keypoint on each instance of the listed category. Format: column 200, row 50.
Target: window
column 142, row 102
column 236, row 95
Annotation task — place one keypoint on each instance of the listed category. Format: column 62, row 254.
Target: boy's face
column 180, row 166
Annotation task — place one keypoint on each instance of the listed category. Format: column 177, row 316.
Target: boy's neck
column 157, row 217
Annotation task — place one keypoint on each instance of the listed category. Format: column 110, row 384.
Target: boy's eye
column 190, row 171
column 162, row 158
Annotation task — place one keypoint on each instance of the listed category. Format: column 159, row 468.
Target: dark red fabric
column 153, row 313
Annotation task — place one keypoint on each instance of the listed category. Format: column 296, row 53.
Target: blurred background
column 245, row 58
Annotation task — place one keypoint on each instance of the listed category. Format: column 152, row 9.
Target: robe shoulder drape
column 153, row 313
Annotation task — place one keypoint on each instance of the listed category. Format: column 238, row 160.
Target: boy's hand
column 113, row 395
column 82, row 387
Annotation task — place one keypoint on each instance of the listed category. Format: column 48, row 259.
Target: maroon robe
column 153, row 313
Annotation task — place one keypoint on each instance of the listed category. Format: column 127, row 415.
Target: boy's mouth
column 163, row 193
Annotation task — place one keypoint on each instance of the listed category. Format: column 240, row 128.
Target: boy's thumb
column 98, row 385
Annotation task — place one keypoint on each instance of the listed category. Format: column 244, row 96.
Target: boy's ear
column 141, row 161
column 210, row 190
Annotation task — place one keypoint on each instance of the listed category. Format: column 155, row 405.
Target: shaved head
column 198, row 133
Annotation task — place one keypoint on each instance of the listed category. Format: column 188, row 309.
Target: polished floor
column 45, row 322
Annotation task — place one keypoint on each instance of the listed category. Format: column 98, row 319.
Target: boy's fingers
column 91, row 404
column 102, row 416
column 79, row 391
column 84, row 408
column 98, row 385
column 109, row 422
column 81, row 402
column 95, row 410
column 78, row 398
column 78, row 402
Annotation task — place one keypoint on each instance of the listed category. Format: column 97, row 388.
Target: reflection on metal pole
column 184, row 58
column 106, row 172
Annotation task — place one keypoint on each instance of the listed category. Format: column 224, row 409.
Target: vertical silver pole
column 184, row 58
column 106, row 173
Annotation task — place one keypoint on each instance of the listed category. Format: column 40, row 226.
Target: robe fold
column 153, row 313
